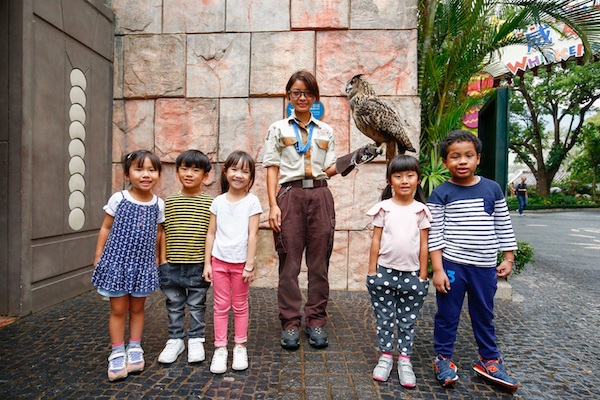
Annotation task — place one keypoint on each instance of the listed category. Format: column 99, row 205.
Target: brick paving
column 547, row 335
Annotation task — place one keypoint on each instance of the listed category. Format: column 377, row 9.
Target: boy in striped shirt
column 470, row 224
column 182, row 257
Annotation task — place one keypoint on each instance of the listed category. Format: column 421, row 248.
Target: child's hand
column 504, row 269
column 248, row 276
column 441, row 282
column 207, row 274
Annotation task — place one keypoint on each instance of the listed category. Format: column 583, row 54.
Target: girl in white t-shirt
column 397, row 277
column 231, row 241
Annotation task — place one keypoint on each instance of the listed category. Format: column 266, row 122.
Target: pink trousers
column 229, row 291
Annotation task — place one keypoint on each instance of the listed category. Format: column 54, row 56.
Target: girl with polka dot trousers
column 397, row 278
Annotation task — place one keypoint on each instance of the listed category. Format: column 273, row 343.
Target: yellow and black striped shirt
column 186, row 223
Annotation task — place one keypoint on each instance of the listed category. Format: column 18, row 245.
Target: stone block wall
column 211, row 74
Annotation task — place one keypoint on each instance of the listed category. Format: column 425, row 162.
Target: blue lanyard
column 306, row 146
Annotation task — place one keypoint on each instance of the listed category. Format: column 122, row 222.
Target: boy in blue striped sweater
column 470, row 224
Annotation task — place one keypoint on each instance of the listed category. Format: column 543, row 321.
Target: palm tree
column 456, row 40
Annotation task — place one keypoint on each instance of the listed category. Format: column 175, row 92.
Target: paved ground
column 547, row 334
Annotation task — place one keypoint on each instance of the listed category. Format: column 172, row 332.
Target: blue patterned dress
column 128, row 261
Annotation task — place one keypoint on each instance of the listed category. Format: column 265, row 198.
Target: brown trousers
column 307, row 224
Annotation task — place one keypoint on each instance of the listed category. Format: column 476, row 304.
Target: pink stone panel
column 137, row 16
column 338, row 263
column 355, row 194
column 244, row 124
column 337, row 114
column 383, row 14
column 390, row 65
column 258, row 15
column 276, row 56
column 267, row 261
column 132, row 128
column 183, row 124
column 333, row 14
column 359, row 245
column 192, row 16
column 155, row 66
column 218, row 65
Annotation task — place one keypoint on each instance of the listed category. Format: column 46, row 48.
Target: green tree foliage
column 585, row 168
column 456, row 39
column 547, row 116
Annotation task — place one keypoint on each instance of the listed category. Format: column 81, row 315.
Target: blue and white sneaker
column 494, row 371
column 445, row 371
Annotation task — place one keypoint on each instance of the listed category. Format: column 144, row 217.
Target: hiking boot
column 494, row 371
column 405, row 373
column 135, row 359
column 117, row 366
column 382, row 370
column 290, row 339
column 445, row 370
column 240, row 358
column 218, row 364
column 317, row 337
column 172, row 350
column 196, row 350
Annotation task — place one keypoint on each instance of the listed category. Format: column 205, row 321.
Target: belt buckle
column 307, row 184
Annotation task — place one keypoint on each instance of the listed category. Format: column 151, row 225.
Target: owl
column 377, row 120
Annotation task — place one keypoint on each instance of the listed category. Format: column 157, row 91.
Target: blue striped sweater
column 470, row 223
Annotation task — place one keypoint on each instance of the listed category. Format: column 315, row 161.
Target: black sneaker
column 290, row 339
column 317, row 337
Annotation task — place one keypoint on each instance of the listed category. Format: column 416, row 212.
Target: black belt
column 307, row 183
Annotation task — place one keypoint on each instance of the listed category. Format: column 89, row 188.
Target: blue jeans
column 522, row 203
column 183, row 284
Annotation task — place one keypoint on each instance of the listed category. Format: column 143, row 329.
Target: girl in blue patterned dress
column 126, row 260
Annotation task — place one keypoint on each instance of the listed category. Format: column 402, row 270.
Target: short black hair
column 193, row 158
column 138, row 157
column 459, row 135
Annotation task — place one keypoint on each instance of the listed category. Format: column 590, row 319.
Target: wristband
column 510, row 261
column 248, row 270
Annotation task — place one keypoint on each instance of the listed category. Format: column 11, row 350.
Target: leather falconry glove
column 345, row 164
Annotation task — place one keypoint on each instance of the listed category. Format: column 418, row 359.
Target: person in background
column 522, row 195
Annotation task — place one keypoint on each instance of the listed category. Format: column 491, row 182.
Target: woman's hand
column 275, row 218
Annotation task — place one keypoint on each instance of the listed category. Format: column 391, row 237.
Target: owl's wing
column 382, row 118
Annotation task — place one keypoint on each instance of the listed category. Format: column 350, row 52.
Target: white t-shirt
column 401, row 234
column 113, row 202
column 231, row 239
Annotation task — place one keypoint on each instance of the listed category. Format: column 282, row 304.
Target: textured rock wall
column 210, row 74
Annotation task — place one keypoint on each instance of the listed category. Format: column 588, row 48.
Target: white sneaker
column 405, row 373
column 196, row 350
column 382, row 370
column 172, row 350
column 240, row 358
column 218, row 364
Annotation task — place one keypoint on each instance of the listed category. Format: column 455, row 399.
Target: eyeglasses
column 296, row 94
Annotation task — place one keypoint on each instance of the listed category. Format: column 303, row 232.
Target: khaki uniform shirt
column 280, row 150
